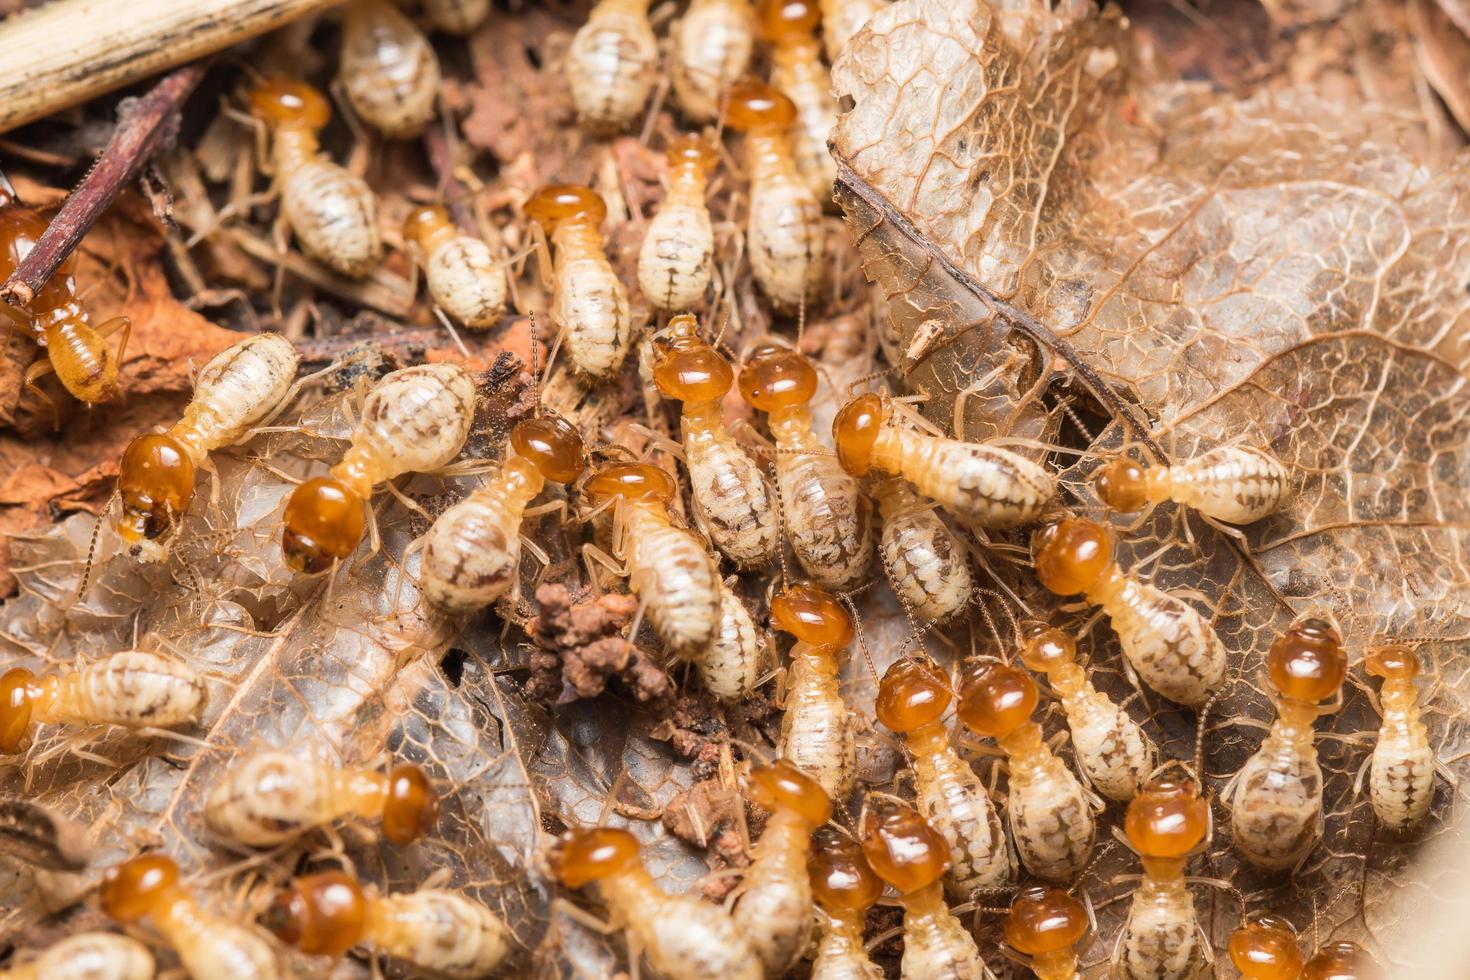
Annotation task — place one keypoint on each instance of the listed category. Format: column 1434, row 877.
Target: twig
column 326, row 349
column 141, row 128
column 456, row 197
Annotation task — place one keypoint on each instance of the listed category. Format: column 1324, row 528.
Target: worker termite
column 818, row 732
column 1166, row 823
column 472, row 552
column 912, row 698
column 1342, row 960
column 239, row 387
column 775, row 905
column 272, row 797
column 1276, row 804
column 1265, row 948
column 731, row 498
column 1234, row 484
column 1049, row 811
column 89, row 956
column 682, row 937
column 677, row 255
column 612, row 64
column 712, row 44
column 1112, row 750
column 457, row 16
column 1047, row 924
column 388, row 69
column 785, row 237
column 333, row 213
column 790, row 28
column 415, row 419
column 1165, row 640
column 208, row 945
column 912, row 856
column 133, row 689
column 589, row 304
column 841, row 19
column 922, row 558
column 844, row 888
column 1401, row 772
column 463, row 274
column 826, row 514
column 439, row 931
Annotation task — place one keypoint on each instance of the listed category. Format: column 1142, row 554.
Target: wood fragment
column 380, row 290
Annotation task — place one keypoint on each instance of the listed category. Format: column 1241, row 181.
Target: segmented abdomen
column 991, row 486
column 612, row 66
column 826, row 519
column 237, row 388
column 471, row 554
column 1160, row 938
column 90, row 956
column 1168, row 643
column 808, row 83
column 732, row 498
column 787, row 241
column 954, row 800
column 137, row 689
column 1110, row 746
column 937, row 945
column 268, row 798
column 1051, row 821
column 817, row 730
column 465, row 279
column 775, row 906
column 335, row 217
column 925, row 564
column 592, row 308
column 676, row 579
column 1276, row 809
column 686, row 939
column 1401, row 776
column 712, row 47
column 1236, row 484
column 440, row 931
column 675, row 258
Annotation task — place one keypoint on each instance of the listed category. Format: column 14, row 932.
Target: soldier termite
column 1401, row 771
column 1234, row 484
column 1165, row 640
column 238, row 388
column 1112, row 750
column 677, row 255
column 208, row 945
column 333, row 213
column 414, row 420
column 826, row 514
column 1276, row 804
column 457, row 16
column 590, row 304
column 786, row 239
column 1342, row 960
column 438, row 931
column 912, row 856
column 924, row 561
column 133, row 689
column 1265, row 948
column 731, row 497
column 818, row 732
column 841, row 19
column 790, row 28
column 712, row 44
column 272, row 797
column 463, row 274
column 89, row 956
column 612, row 65
column 1047, row 924
column 682, row 937
column 844, row 888
column 1166, row 823
column 775, row 905
column 388, row 68
column 912, row 698
column 1049, row 811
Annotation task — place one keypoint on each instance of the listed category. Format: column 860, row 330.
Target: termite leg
column 39, row 369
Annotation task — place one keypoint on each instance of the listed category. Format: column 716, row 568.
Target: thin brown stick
column 456, row 196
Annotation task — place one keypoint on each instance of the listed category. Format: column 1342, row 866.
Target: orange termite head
column 289, row 104
column 557, row 204
column 855, row 430
column 1342, row 960
column 788, row 20
column 552, row 444
column 424, row 221
column 812, row 616
column 694, row 151
column 1072, row 554
column 1307, row 662
column 686, row 368
column 753, row 106
column 139, row 886
column 1167, row 819
column 841, row 877
column 17, row 701
column 1045, row 920
column 1265, row 948
column 155, row 482
column 580, row 857
column 913, row 693
column 632, row 482
column 321, row 914
column 996, row 698
column 776, row 378
column 1392, row 663
column 781, row 786
column 901, row 846
column 323, row 524
column 1046, row 648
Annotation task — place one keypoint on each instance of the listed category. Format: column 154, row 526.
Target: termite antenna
column 857, row 629
column 535, row 366
column 96, row 533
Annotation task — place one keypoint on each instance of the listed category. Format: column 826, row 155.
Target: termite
column 845, row 888
column 1276, row 806
column 88, row 956
column 1342, row 960
column 711, row 48
column 818, row 732
column 1234, row 484
column 924, row 561
column 1112, row 750
column 388, row 69
column 912, row 698
column 472, row 551
column 790, row 28
column 438, row 931
column 1046, row 924
column 785, row 237
column 457, row 16
column 1401, row 773
column 826, row 514
column 1165, row 640
column 682, row 937
column 415, row 419
column 1265, row 948
column 912, row 856
column 239, row 387
column 612, row 64
column 775, row 905
column 76, row 351
column 333, row 213
column 464, row 276
column 841, row 19
column 1166, row 823
column 731, row 497
column 272, row 797
column 677, row 255
column 1049, row 811
column 133, row 689
column 589, row 304
column 208, row 945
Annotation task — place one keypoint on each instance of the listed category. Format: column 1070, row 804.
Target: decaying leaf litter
column 1069, row 244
